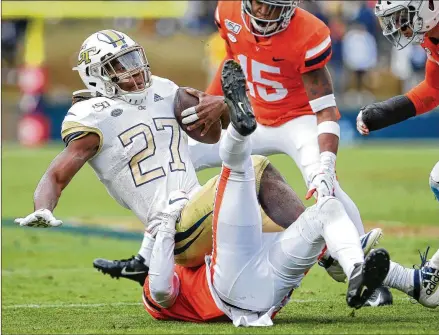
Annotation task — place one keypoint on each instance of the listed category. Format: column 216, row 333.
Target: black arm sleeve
column 383, row 114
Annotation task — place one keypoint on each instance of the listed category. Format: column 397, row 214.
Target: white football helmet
column 110, row 59
column 420, row 16
column 268, row 27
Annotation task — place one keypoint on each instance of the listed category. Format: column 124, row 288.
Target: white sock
column 341, row 236
column 400, row 278
column 235, row 149
column 146, row 248
column 350, row 207
column 434, row 261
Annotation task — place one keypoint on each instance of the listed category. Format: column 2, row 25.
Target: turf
column 381, row 180
column 49, row 286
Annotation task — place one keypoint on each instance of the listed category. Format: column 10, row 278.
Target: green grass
column 49, row 286
column 386, row 183
column 52, row 270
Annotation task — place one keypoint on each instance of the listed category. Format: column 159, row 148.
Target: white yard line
column 118, row 304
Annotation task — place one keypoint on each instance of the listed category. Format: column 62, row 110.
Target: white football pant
column 254, row 273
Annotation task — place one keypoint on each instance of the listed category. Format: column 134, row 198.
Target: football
column 184, row 100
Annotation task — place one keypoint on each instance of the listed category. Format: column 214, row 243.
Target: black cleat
column 234, row 89
column 380, row 297
column 367, row 277
column 132, row 268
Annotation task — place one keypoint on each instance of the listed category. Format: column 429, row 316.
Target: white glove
column 361, row 127
column 321, row 184
column 41, row 218
column 171, row 214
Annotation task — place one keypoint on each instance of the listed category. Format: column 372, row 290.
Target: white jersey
column 143, row 153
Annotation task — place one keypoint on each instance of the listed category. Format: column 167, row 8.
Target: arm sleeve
column 318, row 50
column 425, row 96
column 164, row 284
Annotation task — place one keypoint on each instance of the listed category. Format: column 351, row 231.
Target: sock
column 434, row 261
column 146, row 248
column 235, row 149
column 400, row 278
column 340, row 235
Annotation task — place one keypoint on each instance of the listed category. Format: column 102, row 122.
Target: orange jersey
column 274, row 65
column 194, row 302
column 425, row 96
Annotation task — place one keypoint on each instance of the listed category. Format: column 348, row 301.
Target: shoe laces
column 425, row 272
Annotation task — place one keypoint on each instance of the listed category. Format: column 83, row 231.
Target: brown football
column 184, row 100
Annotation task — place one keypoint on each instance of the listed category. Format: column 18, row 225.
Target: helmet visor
column 276, row 15
column 129, row 69
column 398, row 27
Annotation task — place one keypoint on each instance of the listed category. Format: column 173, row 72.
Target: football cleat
column 368, row 241
column 426, row 282
column 367, row 277
column 132, row 268
column 234, row 88
column 380, row 297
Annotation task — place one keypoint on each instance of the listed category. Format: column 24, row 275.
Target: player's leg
column 205, row 156
column 133, row 268
column 434, row 181
column 421, row 284
column 237, row 224
column 298, row 248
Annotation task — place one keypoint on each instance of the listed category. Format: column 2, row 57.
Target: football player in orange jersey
column 283, row 51
column 248, row 278
column 405, row 22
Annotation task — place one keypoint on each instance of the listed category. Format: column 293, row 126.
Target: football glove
column 41, row 218
column 321, row 184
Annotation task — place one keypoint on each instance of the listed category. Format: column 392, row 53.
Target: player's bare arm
column 318, row 86
column 62, row 169
column 58, row 175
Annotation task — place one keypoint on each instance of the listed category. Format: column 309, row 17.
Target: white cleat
column 368, row 241
column 426, row 282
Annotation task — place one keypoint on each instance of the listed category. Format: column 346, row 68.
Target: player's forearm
column 380, row 115
column 328, row 137
column 318, row 86
column 47, row 193
column 328, row 130
column 162, row 285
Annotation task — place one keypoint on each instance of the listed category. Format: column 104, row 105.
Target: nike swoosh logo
column 187, row 245
column 124, row 272
column 278, row 59
column 376, row 302
column 240, row 105
column 175, row 200
column 185, row 234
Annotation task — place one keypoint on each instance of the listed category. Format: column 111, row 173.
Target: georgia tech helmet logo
column 84, row 56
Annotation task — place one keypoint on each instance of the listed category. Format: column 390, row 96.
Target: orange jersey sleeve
column 425, row 96
column 317, row 51
column 194, row 302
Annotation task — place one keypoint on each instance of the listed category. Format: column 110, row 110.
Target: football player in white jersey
column 128, row 133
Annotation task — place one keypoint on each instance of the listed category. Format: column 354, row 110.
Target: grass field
column 49, row 286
